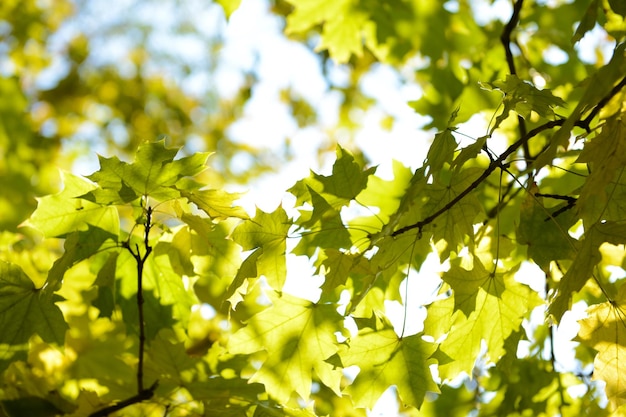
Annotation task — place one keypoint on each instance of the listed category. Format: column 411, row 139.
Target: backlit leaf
column 584, row 263
column 490, row 306
column 348, row 178
column 387, row 360
column 604, row 329
column 59, row 214
column 267, row 231
column 153, row 173
column 547, row 236
column 26, row 310
column 298, row 337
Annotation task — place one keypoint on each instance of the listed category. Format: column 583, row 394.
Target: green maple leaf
column 168, row 362
column 343, row 28
column 387, row 195
column 387, row 360
column 439, row 317
column 153, row 173
column 218, row 204
column 457, row 223
column 604, row 329
column 441, row 151
column 338, row 267
column 596, row 88
column 77, row 247
column 326, row 225
column 524, row 98
column 168, row 285
column 298, row 337
column 546, row 236
column 606, row 156
column 490, row 307
column 347, row 181
column 588, row 21
column 584, row 263
column 26, row 310
column 63, row 213
column 267, row 231
column 348, row 178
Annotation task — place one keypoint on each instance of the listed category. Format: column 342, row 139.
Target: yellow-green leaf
column 267, row 231
column 26, row 310
column 387, row 360
column 490, row 306
column 63, row 213
column 298, row 336
column 604, row 329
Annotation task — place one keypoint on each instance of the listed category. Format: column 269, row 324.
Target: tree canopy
column 485, row 280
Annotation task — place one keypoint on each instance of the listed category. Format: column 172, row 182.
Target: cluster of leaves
column 106, row 290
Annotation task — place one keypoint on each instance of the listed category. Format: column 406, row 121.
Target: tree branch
column 140, row 300
column 141, row 260
column 585, row 123
column 143, row 395
column 492, row 167
column 496, row 163
column 505, row 38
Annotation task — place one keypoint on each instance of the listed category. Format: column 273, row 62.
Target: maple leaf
column 342, row 33
column 596, row 87
column 348, row 178
column 63, row 213
column 604, row 329
column 168, row 362
column 490, row 307
column 385, row 360
column 458, row 222
column 606, row 156
column 524, row 98
column 217, row 204
column 546, row 236
column 267, row 231
column 386, row 195
column 347, row 181
column 585, row 261
column 154, row 173
column 298, row 337
column 441, row 151
column 26, row 310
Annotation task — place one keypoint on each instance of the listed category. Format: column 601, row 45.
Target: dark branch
column 141, row 260
column 585, row 123
column 499, row 162
column 505, row 38
column 492, row 167
column 140, row 301
column 139, row 397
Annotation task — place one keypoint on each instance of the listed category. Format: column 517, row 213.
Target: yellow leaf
column 605, row 331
